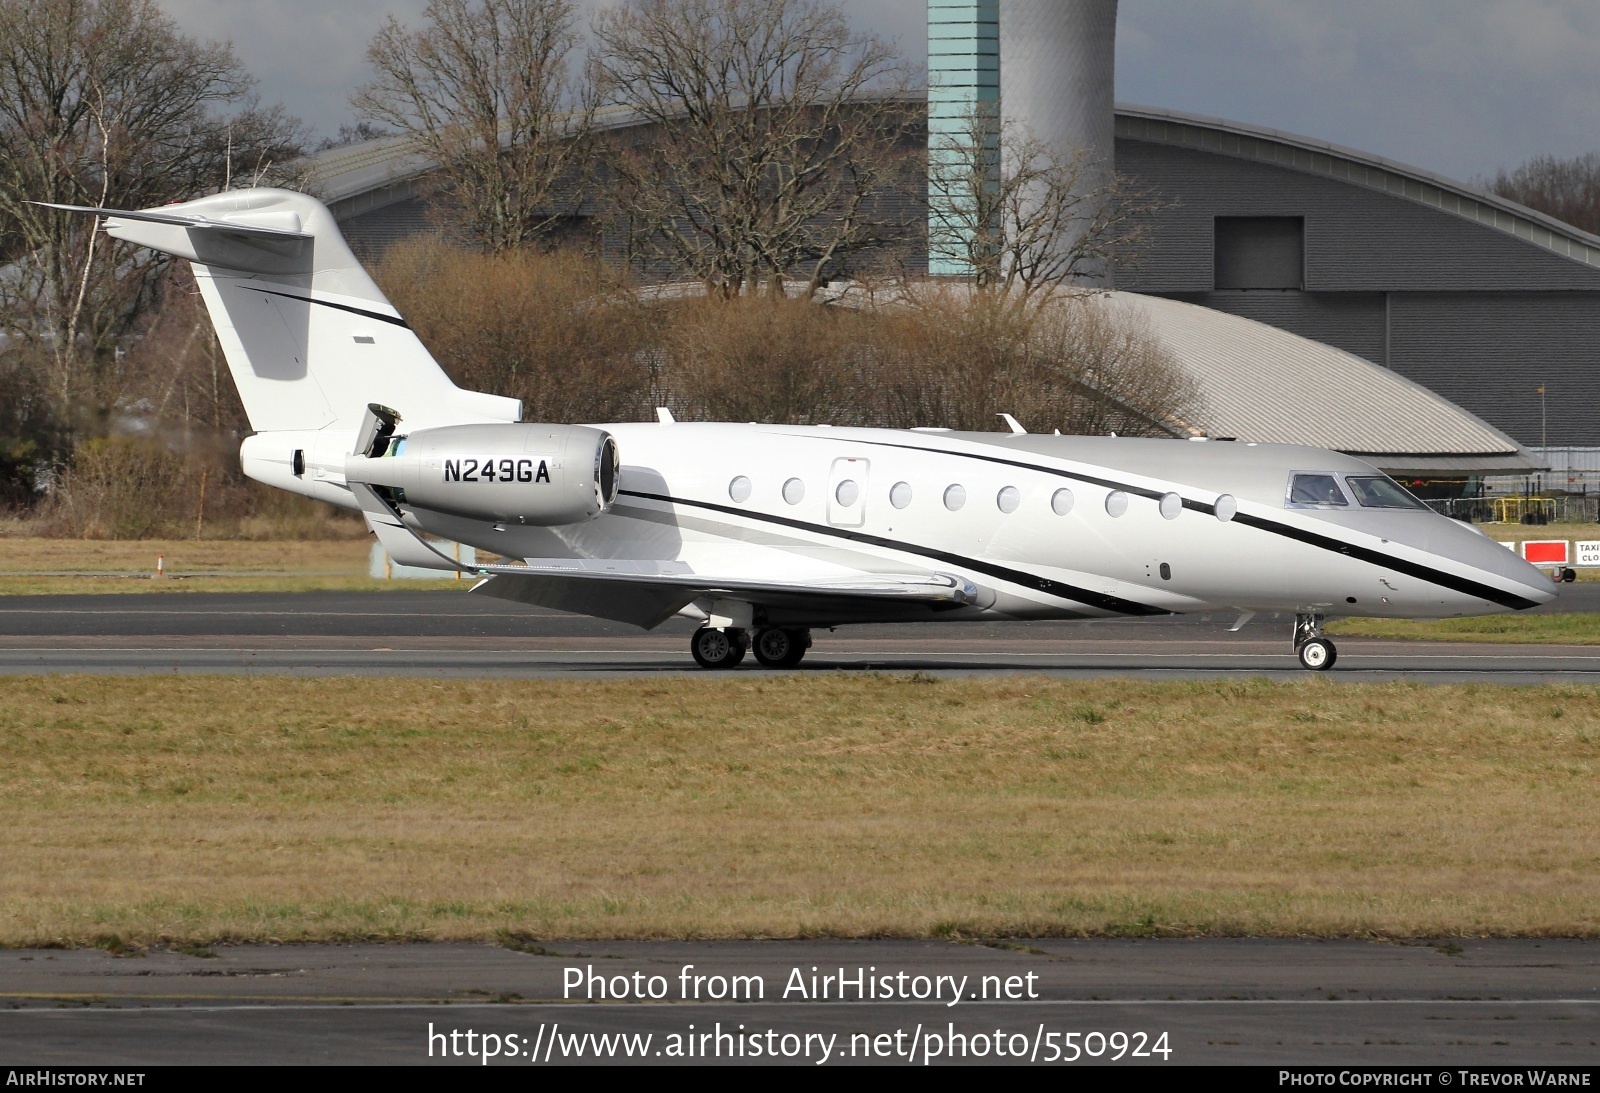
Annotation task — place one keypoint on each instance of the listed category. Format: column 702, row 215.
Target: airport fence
column 1564, row 509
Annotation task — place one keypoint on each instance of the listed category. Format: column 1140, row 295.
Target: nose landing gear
column 1316, row 652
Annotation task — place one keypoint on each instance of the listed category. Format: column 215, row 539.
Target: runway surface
column 1291, row 1002
column 1279, row 1002
column 454, row 635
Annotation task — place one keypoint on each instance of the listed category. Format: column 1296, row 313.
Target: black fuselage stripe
column 1465, row 585
column 392, row 320
column 1103, row 601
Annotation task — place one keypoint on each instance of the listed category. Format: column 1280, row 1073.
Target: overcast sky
column 1462, row 87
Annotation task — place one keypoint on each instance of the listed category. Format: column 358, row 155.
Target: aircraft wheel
column 1318, row 654
column 781, row 648
column 714, row 647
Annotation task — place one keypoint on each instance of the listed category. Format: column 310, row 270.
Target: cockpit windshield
column 1377, row 492
column 1316, row 489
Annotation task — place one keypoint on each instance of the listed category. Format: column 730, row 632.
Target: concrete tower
column 1058, row 82
column 1049, row 64
column 963, row 77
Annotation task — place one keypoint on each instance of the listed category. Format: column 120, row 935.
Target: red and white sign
column 1545, row 551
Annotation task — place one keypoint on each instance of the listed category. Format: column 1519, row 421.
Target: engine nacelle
column 516, row 474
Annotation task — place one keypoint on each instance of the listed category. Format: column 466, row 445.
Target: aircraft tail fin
column 309, row 337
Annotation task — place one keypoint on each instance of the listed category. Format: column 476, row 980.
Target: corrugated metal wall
column 1357, row 240
column 1491, row 352
column 1352, row 321
column 1477, row 315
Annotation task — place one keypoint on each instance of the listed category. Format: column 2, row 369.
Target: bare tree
column 1025, row 218
column 773, row 141
column 103, row 102
column 1567, row 189
column 485, row 90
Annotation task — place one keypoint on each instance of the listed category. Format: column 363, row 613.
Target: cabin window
column 1259, row 252
column 847, row 492
column 1061, row 502
column 1225, row 507
column 955, row 497
column 900, row 495
column 1008, row 499
column 1171, row 506
column 1381, row 492
column 1316, row 491
column 1116, row 503
column 739, row 489
column 794, row 491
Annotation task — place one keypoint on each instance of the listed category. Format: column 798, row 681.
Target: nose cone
column 1507, row 569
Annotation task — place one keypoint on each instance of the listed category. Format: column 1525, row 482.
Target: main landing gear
column 718, row 647
column 1315, row 651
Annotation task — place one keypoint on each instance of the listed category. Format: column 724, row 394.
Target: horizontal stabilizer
column 272, row 224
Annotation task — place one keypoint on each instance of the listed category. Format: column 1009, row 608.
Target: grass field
column 35, row 566
column 200, row 809
column 1562, row 629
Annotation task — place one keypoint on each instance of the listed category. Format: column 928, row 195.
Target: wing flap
column 647, row 594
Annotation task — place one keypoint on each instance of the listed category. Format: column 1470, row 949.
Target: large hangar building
column 1491, row 305
column 1334, row 297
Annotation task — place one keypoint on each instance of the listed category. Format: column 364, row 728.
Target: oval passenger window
column 794, row 491
column 900, row 495
column 739, row 489
column 955, row 497
column 1008, row 499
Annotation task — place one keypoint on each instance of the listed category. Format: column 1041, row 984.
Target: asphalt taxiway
column 454, row 635
column 1278, row 1002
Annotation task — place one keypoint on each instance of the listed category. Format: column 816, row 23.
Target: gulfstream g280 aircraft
column 766, row 532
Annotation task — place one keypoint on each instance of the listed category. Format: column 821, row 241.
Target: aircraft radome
column 764, row 533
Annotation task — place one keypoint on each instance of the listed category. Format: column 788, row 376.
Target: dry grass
column 1565, row 629
column 200, row 808
column 31, row 566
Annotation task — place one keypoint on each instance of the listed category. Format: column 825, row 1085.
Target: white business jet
column 763, row 533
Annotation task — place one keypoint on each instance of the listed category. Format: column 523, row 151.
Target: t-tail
column 312, row 342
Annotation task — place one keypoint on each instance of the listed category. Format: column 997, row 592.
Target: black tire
column 1317, row 655
column 780, row 648
column 717, row 648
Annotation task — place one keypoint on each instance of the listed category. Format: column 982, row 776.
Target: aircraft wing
column 629, row 592
column 646, row 593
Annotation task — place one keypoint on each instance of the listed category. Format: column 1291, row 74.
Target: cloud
column 1458, row 86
